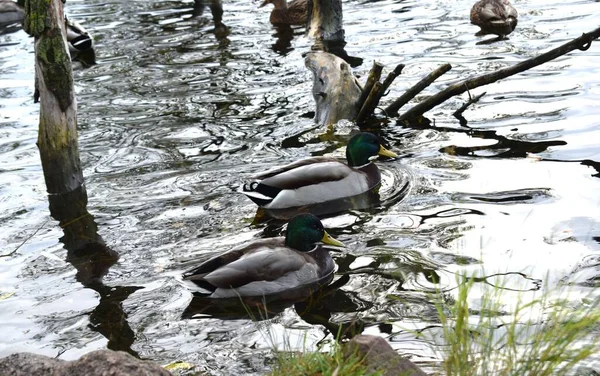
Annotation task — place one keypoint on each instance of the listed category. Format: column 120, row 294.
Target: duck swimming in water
column 10, row 12
column 494, row 17
column 292, row 13
column 270, row 266
column 320, row 179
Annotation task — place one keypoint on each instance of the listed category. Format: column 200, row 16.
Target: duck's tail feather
column 81, row 43
column 260, row 193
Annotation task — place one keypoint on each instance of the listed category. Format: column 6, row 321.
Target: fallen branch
column 392, row 109
column 369, row 105
column 374, row 76
column 582, row 43
column 387, row 83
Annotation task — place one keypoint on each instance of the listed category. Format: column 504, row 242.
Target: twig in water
column 387, row 83
column 458, row 113
column 25, row 241
column 369, row 106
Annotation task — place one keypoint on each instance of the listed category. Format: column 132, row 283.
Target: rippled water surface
column 177, row 113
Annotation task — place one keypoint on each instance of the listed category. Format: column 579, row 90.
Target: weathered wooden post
column 58, row 145
column 325, row 25
column 335, row 89
column 57, row 138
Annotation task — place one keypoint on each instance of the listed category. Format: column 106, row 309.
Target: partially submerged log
column 334, row 104
column 335, row 89
column 58, row 145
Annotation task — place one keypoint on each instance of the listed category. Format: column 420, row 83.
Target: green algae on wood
column 37, row 17
column 55, row 63
column 57, row 136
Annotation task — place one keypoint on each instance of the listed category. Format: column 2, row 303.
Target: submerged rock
column 378, row 355
column 96, row 363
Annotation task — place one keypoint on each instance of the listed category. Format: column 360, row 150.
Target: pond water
column 176, row 114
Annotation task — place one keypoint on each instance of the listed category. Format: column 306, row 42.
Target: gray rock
column 378, row 355
column 96, row 363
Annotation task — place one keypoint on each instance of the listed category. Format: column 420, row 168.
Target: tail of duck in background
column 260, row 194
column 79, row 39
column 10, row 12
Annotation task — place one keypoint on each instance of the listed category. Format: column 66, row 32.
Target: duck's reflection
column 315, row 304
column 254, row 307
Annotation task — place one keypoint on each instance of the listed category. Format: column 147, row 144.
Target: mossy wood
column 57, row 138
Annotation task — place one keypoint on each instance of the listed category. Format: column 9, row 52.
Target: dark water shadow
column 505, row 147
column 87, row 58
column 490, row 40
column 315, row 304
column 92, row 259
column 283, row 39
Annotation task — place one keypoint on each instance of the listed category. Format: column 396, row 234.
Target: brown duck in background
column 494, row 17
column 292, row 13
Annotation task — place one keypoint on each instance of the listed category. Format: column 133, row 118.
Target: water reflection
column 89, row 255
column 172, row 118
column 504, row 147
column 314, row 305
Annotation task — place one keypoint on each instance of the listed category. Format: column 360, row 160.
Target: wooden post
column 325, row 25
column 57, row 138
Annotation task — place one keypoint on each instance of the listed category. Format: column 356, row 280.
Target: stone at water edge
column 96, row 363
column 378, row 355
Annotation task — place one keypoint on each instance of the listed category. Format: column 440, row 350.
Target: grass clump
column 540, row 337
column 332, row 363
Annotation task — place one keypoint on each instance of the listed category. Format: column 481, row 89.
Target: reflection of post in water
column 58, row 145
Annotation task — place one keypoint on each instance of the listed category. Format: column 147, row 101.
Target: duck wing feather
column 263, row 260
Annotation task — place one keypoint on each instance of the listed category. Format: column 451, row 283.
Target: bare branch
column 392, row 109
column 369, row 106
column 582, row 43
column 374, row 76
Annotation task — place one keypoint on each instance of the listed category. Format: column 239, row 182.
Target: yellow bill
column 387, row 153
column 327, row 239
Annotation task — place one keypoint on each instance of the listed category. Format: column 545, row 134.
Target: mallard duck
column 10, row 12
column 494, row 17
column 320, row 179
column 270, row 266
column 292, row 13
column 79, row 39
